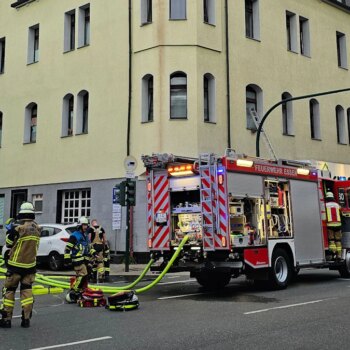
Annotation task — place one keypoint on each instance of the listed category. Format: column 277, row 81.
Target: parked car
column 52, row 243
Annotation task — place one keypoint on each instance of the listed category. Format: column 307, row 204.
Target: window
column 146, row 11
column 37, row 201
column 0, row 128
column 291, row 26
column 315, row 119
column 30, row 123
column 209, row 11
column 83, row 112
column 33, row 44
column 340, row 119
column 69, row 31
column 341, row 50
column 84, row 26
column 254, row 105
column 2, row 55
column 67, row 115
column 209, row 98
column 304, row 29
column 177, row 9
column 147, row 98
column 75, row 203
column 178, row 96
column 287, row 115
column 252, row 26
column 48, row 231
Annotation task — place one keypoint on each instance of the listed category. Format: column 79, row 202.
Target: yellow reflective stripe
column 17, row 264
column 100, row 270
column 78, row 259
column 66, row 256
column 9, row 302
column 8, row 241
column 27, row 301
column 69, row 245
column 107, row 269
column 15, row 257
column 29, row 238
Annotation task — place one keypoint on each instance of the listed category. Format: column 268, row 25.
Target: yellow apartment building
column 85, row 83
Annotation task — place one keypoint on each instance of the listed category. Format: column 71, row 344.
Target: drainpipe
column 228, row 86
column 130, row 81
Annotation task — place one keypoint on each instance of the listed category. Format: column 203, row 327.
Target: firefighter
column 333, row 224
column 107, row 261
column 97, row 237
column 21, row 266
column 77, row 252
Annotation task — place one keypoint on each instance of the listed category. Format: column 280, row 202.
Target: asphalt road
column 313, row 313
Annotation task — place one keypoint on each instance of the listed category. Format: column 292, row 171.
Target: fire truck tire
column 345, row 269
column 213, row 279
column 281, row 270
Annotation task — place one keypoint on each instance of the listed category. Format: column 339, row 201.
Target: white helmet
column 83, row 221
column 26, row 208
column 329, row 195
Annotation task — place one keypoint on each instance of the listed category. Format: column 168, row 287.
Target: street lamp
column 285, row 101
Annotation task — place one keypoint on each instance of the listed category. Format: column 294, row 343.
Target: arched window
column 67, row 115
column 147, row 98
column 178, row 96
column 30, row 123
column 254, row 105
column 0, row 128
column 82, row 113
column 315, row 126
column 209, row 98
column 340, row 120
column 287, row 115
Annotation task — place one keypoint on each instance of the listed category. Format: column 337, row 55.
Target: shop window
column 84, row 26
column 37, row 200
column 146, row 11
column 252, row 25
column 291, row 27
column 209, row 98
column 177, row 9
column 304, row 31
column 341, row 125
column 82, row 113
column 178, row 96
column 341, row 50
column 1, row 116
column 315, row 125
column 2, row 55
column 33, row 44
column 69, row 31
column 147, row 98
column 287, row 115
column 67, row 115
column 75, row 203
column 30, row 123
column 209, row 11
column 254, row 105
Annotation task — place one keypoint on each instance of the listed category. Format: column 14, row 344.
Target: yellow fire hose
column 52, row 282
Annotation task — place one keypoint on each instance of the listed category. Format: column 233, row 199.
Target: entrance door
column 17, row 198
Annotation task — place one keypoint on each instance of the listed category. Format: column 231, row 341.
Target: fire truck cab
column 243, row 215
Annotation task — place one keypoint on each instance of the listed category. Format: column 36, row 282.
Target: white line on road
column 180, row 296
column 75, row 343
column 286, row 306
column 176, row 282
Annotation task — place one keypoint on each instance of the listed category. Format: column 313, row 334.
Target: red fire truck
column 243, row 215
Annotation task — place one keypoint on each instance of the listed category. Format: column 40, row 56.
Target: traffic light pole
column 127, row 233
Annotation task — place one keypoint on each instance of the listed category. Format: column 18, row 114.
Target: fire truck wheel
column 213, row 279
column 280, row 273
column 345, row 269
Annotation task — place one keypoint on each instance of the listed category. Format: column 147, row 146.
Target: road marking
column 74, row 343
column 286, row 306
column 170, row 277
column 180, row 296
column 176, row 282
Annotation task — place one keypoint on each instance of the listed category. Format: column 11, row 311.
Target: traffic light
column 119, row 193
column 131, row 193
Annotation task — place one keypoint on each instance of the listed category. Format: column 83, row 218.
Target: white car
column 53, row 241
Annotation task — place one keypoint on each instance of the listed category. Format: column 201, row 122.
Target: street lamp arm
column 285, row 101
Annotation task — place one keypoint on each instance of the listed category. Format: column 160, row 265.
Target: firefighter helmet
column 72, row 297
column 329, row 195
column 26, row 208
column 83, row 221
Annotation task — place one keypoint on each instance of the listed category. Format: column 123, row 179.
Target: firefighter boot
column 5, row 323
